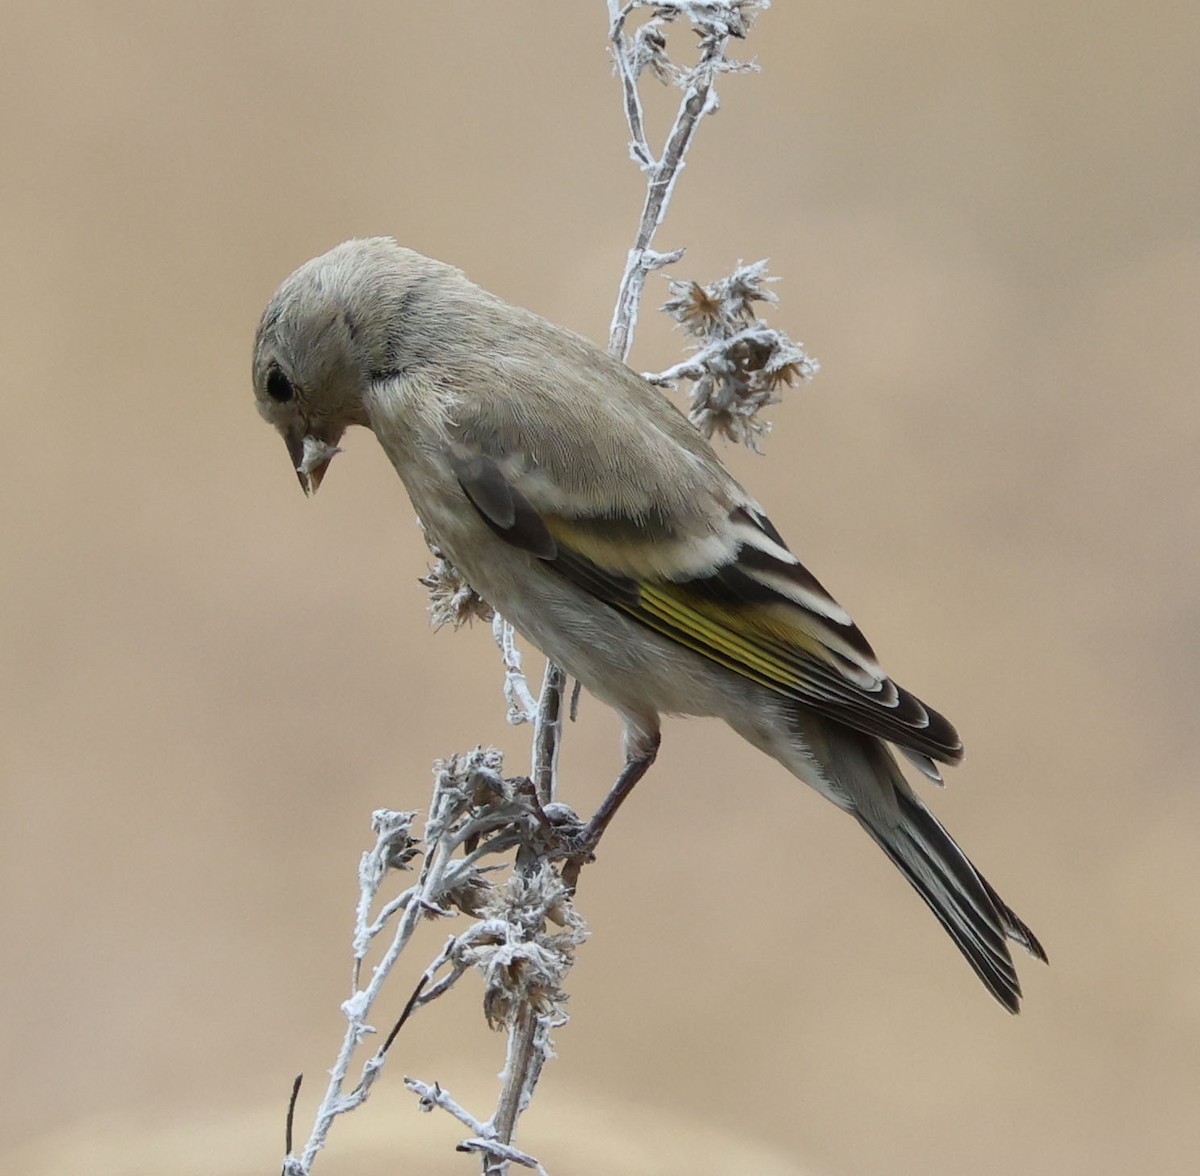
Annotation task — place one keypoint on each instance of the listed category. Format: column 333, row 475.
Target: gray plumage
column 577, row 501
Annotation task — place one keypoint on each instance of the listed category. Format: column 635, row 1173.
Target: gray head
column 332, row 328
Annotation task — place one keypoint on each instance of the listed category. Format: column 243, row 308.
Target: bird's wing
column 710, row 573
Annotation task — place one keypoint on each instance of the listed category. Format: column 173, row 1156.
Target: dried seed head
column 452, row 601
column 740, row 364
column 523, row 963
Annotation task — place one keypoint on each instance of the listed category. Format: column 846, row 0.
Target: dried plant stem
column 523, row 928
column 699, row 99
column 547, row 733
column 522, row 706
column 523, row 1064
column 524, row 1060
column 520, row 1072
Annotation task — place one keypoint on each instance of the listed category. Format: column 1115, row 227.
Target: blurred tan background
column 985, row 220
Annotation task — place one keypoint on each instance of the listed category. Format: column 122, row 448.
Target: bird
column 586, row 509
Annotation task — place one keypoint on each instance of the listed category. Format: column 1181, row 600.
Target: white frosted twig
column 517, row 1080
column 454, row 818
column 716, row 22
column 432, row 1095
column 524, row 929
column 502, row 1154
column 529, row 1043
column 356, row 1009
column 393, row 846
column 522, row 706
column 701, row 361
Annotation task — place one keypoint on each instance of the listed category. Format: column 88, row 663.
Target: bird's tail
column 972, row 912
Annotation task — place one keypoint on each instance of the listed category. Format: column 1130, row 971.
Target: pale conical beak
column 310, row 458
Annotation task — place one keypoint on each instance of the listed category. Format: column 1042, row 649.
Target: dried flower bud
column 650, row 52
column 740, row 364
column 396, row 846
column 452, row 601
column 524, row 964
column 471, row 894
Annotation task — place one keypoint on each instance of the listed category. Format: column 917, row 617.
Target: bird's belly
column 617, row 659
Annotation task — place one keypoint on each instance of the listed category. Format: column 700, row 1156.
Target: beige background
column 986, row 222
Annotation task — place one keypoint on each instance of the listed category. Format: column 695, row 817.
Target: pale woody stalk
column 524, row 928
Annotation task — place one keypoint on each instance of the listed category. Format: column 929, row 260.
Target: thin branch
column 547, row 733
column 514, row 1086
column 524, row 928
column 717, row 24
column 291, row 1114
column 639, row 147
column 432, row 1095
column 522, row 706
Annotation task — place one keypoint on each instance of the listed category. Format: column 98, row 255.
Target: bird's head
column 331, row 330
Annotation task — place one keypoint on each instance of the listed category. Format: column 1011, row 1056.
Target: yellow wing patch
column 712, row 630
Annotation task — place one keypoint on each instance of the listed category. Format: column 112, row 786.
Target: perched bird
column 589, row 512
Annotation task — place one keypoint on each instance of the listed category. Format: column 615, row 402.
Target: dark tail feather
column 970, row 910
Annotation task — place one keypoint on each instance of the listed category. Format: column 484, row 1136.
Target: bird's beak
column 310, row 459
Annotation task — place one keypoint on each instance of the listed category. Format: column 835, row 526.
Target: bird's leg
column 636, row 766
column 631, row 773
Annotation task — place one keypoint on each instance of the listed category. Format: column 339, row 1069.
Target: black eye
column 279, row 387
